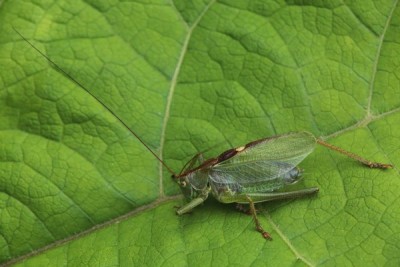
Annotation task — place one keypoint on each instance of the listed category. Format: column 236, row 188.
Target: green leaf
column 77, row 188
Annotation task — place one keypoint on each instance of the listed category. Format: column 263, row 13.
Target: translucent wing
column 264, row 164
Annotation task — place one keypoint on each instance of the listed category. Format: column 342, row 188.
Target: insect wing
column 264, row 162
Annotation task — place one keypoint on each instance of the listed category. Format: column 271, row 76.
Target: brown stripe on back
column 206, row 164
column 233, row 151
column 227, row 154
column 256, row 142
column 267, row 139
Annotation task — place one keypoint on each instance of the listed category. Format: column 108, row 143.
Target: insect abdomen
column 292, row 176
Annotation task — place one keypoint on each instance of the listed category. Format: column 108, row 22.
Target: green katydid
column 246, row 175
column 254, row 172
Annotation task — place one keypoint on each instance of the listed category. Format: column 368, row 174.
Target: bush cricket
column 253, row 173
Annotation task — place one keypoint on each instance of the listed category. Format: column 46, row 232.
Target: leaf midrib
column 171, row 92
column 377, row 57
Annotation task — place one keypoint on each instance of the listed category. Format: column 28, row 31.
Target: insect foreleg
column 192, row 204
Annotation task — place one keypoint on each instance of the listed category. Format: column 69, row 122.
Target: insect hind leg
column 356, row 157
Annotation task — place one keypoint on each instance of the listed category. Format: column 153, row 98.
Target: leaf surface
column 77, row 188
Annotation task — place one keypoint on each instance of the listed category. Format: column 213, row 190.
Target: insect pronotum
column 247, row 174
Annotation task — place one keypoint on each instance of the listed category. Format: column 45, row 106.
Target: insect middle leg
column 259, row 228
column 251, row 198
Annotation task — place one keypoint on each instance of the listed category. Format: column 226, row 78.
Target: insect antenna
column 66, row 74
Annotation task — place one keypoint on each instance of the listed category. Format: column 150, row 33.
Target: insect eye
column 183, row 184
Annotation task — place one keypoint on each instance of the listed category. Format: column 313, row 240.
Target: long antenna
column 66, row 74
